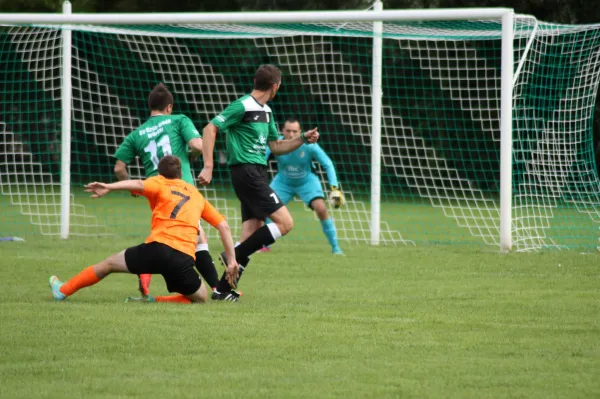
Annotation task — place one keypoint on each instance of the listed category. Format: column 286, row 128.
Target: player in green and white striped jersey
column 250, row 129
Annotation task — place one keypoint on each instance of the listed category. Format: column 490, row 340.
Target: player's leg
column 262, row 202
column 259, row 201
column 285, row 192
column 88, row 276
column 144, row 283
column 180, row 276
column 177, row 269
column 281, row 223
column 249, row 225
column 318, row 205
column 312, row 195
column 266, row 235
column 204, row 262
column 200, row 296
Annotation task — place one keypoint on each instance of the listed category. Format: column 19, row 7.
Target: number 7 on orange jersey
column 180, row 204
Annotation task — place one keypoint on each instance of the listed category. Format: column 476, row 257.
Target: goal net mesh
column 440, row 123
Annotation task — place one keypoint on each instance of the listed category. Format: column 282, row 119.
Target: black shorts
column 251, row 185
column 176, row 267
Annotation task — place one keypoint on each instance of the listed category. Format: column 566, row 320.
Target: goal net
column 440, row 150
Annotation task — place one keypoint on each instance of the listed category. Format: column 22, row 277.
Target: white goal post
column 377, row 16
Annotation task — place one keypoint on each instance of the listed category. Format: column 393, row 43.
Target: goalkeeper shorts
column 308, row 189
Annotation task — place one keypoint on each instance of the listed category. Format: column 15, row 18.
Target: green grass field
column 410, row 322
column 449, row 317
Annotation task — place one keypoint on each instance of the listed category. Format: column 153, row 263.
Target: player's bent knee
column 318, row 206
column 283, row 219
column 322, row 215
column 285, row 225
column 113, row 264
column 103, row 268
column 200, row 296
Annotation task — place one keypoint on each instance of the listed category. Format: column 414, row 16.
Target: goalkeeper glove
column 336, row 198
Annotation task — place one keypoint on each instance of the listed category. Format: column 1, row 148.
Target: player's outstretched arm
column 208, row 145
column 121, row 172
column 321, row 157
column 280, row 147
column 100, row 189
column 233, row 267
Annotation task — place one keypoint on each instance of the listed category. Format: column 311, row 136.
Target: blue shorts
column 309, row 189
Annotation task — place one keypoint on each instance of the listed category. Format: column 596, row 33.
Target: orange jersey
column 177, row 207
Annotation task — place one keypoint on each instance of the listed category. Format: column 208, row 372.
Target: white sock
column 274, row 231
column 201, row 247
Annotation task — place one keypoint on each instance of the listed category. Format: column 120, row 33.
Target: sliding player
column 169, row 250
column 164, row 134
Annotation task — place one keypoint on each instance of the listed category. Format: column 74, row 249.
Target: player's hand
column 205, row 176
column 232, row 273
column 98, row 189
column 312, row 136
column 336, row 198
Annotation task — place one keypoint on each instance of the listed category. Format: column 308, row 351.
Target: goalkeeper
column 295, row 177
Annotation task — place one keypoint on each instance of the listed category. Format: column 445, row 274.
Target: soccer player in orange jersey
column 177, row 207
column 165, row 134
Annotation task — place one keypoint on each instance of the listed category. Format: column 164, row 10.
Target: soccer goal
column 470, row 126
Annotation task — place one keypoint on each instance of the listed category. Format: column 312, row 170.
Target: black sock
column 206, row 267
column 260, row 238
column 223, row 285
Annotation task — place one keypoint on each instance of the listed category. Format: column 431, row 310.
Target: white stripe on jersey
column 250, row 104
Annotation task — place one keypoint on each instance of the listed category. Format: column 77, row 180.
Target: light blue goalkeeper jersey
column 295, row 167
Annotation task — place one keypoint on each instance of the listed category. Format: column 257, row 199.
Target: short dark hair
column 170, row 167
column 292, row 119
column 266, row 76
column 159, row 98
